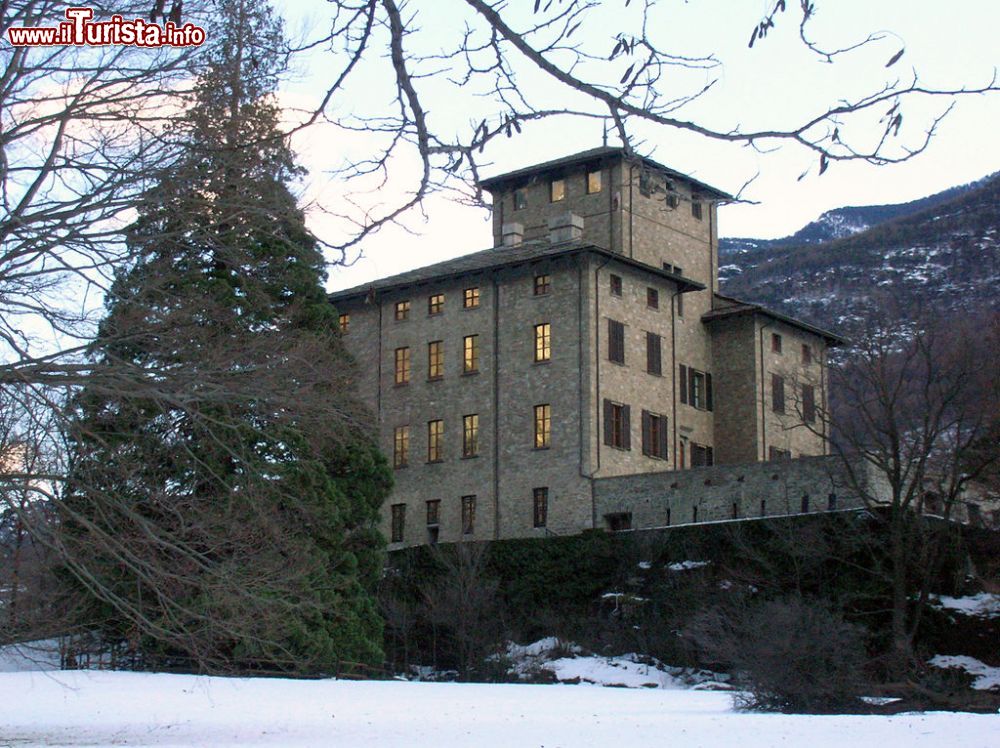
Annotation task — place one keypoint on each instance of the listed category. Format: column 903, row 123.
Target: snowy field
column 136, row 709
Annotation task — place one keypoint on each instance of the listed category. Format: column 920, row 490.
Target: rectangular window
column 557, row 190
column 542, row 285
column 470, row 298
column 696, row 388
column 807, row 354
column 468, row 515
column 344, row 322
column 398, row 522
column 401, row 446
column 777, row 393
column 435, row 303
column 520, row 199
column 435, row 441
column 433, row 512
column 775, row 343
column 652, row 298
column 593, row 181
column 541, row 506
column 470, row 354
column 616, row 425
column 543, row 342
column 805, row 503
column 696, row 208
column 646, row 184
column 470, row 435
column 654, row 435
column 680, row 304
column 654, row 356
column 616, row 342
column 616, row 285
column 681, row 453
column 808, row 403
column 773, row 453
column 619, row 521
column 543, row 426
column 402, row 310
column 701, row 456
column 435, row 359
column 402, row 366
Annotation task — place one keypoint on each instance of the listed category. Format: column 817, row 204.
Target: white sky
column 950, row 46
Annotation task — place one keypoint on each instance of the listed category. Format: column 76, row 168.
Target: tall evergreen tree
column 225, row 482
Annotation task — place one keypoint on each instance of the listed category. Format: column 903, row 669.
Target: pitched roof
column 502, row 257
column 596, row 154
column 733, row 307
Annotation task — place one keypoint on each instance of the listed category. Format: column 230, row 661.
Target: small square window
column 520, row 200
column 652, row 298
column 344, row 322
column 470, row 298
column 435, row 303
column 593, row 181
column 775, row 343
column 543, row 284
column 557, row 190
column 402, row 310
column 616, row 285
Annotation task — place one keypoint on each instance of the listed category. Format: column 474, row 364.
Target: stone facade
column 602, row 352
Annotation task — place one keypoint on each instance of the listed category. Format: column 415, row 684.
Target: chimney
column 512, row 234
column 565, row 227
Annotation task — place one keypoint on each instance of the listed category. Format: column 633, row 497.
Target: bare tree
column 513, row 64
column 917, row 409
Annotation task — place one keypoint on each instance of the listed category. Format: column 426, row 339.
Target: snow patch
column 983, row 605
column 987, row 678
column 686, row 565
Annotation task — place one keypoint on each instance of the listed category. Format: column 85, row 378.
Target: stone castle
column 585, row 371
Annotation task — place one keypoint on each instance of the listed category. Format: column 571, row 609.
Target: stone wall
column 726, row 492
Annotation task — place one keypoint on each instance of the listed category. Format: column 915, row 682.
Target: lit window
column 468, row 515
column 777, row 393
column 398, row 522
column 402, row 310
column 775, row 343
column 543, row 426
column 435, row 303
column 435, row 359
column 652, row 298
column 433, row 512
column 542, row 285
column 557, row 190
column 402, row 365
column 616, row 425
column 541, row 506
column 807, row 354
column 616, row 285
column 435, row 441
column 401, row 446
column 470, row 354
column 593, row 181
column 520, row 200
column 344, row 321
column 543, row 342
column 470, row 435
column 470, row 298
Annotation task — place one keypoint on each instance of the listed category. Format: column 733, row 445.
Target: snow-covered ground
column 986, row 677
column 983, row 605
column 104, row 709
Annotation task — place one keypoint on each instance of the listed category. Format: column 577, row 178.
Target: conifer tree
column 225, row 482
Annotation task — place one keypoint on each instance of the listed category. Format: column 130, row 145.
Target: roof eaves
column 743, row 307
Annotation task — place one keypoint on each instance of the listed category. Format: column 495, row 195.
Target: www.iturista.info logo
column 80, row 30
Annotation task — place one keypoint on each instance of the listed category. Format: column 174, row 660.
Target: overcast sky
column 949, row 45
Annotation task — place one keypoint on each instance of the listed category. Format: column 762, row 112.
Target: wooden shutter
column 607, row 422
column 684, row 383
column 626, row 428
column 691, row 373
column 709, row 456
column 663, row 437
column 708, row 391
column 653, row 357
column 648, row 448
column 616, row 341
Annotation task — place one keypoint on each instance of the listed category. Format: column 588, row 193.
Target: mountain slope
column 945, row 255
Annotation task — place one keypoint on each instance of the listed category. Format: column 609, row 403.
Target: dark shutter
column 616, row 341
column 663, row 437
column 684, row 384
column 607, row 422
column 691, row 393
column 653, row 357
column 709, row 456
column 626, row 428
column 648, row 448
column 708, row 391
